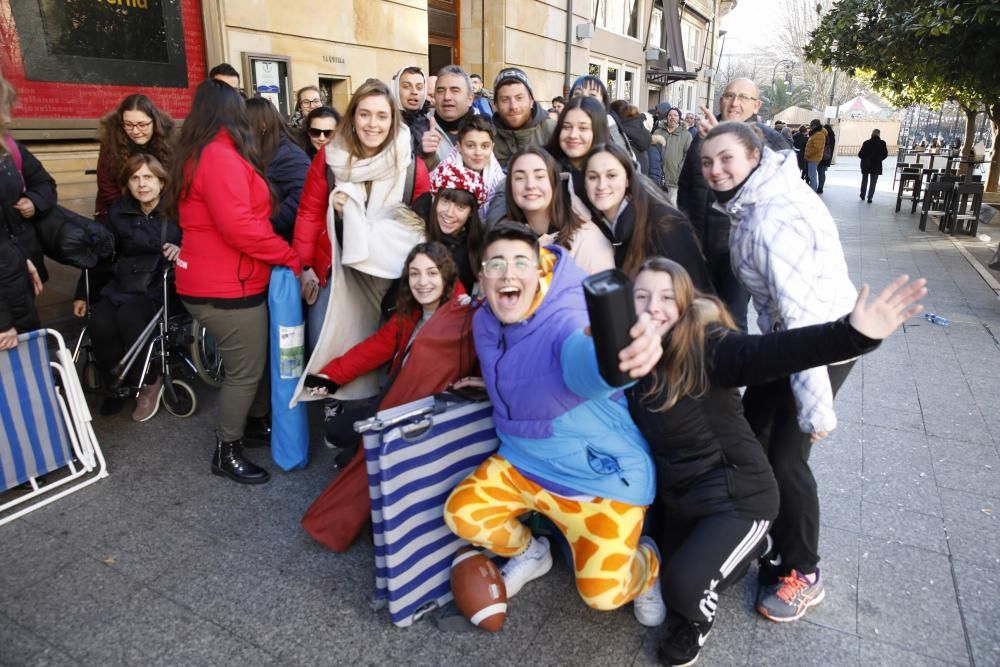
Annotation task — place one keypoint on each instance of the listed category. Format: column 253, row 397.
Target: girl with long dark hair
column 458, row 193
column 430, row 283
column 219, row 195
column 635, row 216
column 536, row 196
column 716, row 494
column 318, row 129
column 285, row 163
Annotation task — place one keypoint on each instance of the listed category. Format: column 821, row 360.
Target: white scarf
column 369, row 220
column 493, row 177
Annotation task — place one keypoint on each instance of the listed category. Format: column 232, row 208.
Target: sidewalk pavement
column 164, row 564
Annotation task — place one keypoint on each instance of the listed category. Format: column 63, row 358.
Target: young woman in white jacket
column 785, row 248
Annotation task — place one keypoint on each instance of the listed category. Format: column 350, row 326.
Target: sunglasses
column 316, row 133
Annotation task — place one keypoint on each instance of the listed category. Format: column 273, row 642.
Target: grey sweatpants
column 241, row 337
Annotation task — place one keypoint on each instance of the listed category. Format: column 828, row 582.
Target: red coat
column 228, row 246
column 390, row 341
column 311, row 240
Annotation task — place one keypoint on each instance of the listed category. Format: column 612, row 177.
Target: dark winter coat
column 640, row 138
column 418, row 122
column 536, row 132
column 138, row 234
column 706, row 455
column 37, row 186
column 672, row 237
column 872, row 152
column 286, row 174
column 830, row 147
column 799, row 144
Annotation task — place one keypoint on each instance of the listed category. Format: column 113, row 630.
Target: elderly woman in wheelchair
column 146, row 243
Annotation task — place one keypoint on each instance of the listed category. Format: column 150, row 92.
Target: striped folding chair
column 45, row 427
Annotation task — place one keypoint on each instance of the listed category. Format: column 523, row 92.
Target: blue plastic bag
column 289, row 426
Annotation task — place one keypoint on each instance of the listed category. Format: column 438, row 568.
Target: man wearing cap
column 452, row 105
column 519, row 119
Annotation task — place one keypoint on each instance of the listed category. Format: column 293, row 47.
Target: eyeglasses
column 316, row 133
column 315, row 102
column 742, row 97
column 497, row 267
column 142, row 125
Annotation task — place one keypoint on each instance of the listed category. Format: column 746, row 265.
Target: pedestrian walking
column 872, row 153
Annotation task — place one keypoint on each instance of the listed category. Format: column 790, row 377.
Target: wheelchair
column 174, row 341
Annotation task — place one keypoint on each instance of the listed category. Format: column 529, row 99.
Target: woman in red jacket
column 218, row 194
column 430, row 289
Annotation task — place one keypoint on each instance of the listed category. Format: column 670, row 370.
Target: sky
column 750, row 27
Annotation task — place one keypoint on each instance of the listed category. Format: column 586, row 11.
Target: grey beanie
column 512, row 75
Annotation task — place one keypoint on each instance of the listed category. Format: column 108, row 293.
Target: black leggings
column 113, row 330
column 770, row 410
column 703, row 557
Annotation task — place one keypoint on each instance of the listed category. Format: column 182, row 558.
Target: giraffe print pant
column 611, row 568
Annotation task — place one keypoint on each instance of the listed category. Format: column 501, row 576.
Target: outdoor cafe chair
column 910, row 180
column 966, row 204
column 936, row 203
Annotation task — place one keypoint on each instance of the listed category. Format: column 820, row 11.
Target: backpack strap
column 15, row 153
column 411, row 176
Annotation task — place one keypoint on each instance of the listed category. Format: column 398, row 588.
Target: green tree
column 784, row 96
column 919, row 51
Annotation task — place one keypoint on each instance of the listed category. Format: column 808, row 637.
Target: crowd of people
column 441, row 235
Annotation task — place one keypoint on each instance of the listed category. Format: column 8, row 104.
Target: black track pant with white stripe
column 704, row 556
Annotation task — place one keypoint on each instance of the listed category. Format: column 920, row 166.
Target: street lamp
column 787, row 66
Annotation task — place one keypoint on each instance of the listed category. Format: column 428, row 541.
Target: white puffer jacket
column 785, row 248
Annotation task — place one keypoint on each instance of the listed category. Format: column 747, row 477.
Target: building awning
column 672, row 65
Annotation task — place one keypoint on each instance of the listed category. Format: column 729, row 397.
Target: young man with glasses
column 568, row 447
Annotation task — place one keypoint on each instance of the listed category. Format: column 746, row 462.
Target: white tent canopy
column 859, row 104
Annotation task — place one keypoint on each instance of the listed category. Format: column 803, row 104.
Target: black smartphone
column 320, row 382
column 612, row 315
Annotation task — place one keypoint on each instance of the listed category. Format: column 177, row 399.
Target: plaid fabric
column 785, row 248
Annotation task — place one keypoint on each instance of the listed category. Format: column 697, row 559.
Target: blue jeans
column 813, row 175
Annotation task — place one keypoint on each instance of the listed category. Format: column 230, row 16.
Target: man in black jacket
column 872, row 153
column 739, row 101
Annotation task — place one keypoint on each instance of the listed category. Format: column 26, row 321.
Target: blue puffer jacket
column 556, row 417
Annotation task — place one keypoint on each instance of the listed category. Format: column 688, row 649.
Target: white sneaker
column 535, row 562
column 648, row 607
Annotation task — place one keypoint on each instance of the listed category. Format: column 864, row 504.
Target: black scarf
column 724, row 196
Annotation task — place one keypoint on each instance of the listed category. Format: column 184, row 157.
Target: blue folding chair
column 45, row 427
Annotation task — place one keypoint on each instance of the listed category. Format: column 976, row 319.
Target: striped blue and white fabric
column 34, row 439
column 413, row 466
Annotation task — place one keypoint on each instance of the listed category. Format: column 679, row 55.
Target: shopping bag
column 289, row 426
column 339, row 513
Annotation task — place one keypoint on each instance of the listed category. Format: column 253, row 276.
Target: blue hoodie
column 557, row 419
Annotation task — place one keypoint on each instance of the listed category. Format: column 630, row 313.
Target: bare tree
column 795, row 21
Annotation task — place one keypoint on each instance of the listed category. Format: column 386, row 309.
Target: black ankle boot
column 228, row 462
column 257, row 432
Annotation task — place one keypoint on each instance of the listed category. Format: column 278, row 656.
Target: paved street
column 164, row 564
